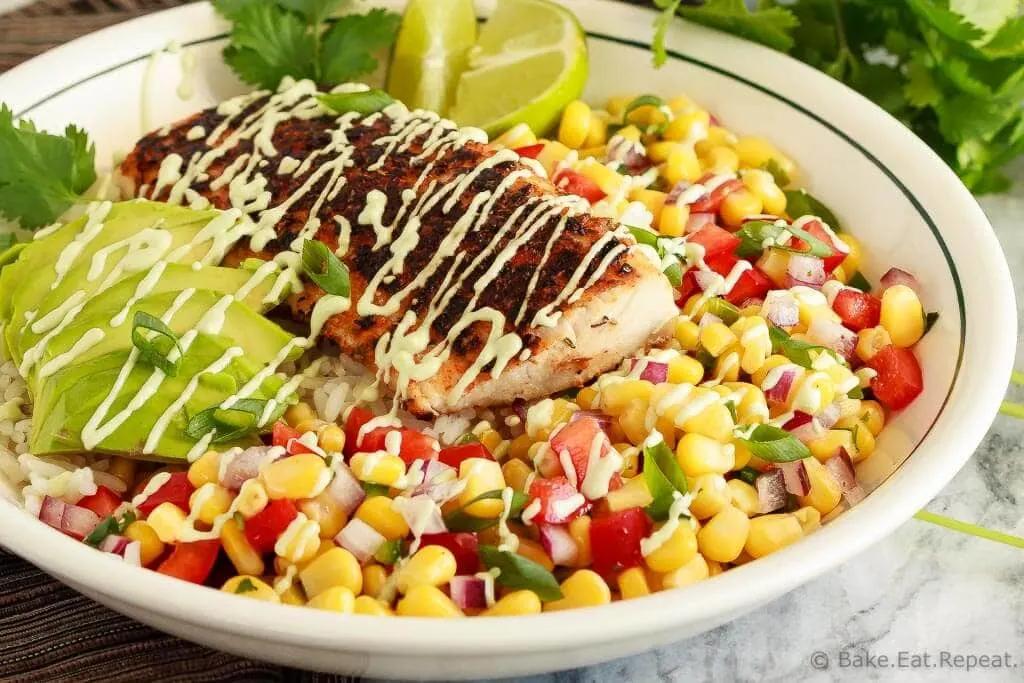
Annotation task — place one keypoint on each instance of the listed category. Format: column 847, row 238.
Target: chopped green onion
column 245, row 586
column 149, row 352
column 468, row 437
column 797, row 351
column 775, row 445
column 365, row 102
column 755, row 234
column 389, row 552
column 372, row 489
column 645, row 236
column 642, row 101
column 858, row 281
column 722, row 309
column 227, row 424
column 517, row 572
column 674, row 273
column 105, row 528
column 748, row 474
column 239, row 520
column 802, row 203
column 460, row 520
column 663, row 477
column 324, row 268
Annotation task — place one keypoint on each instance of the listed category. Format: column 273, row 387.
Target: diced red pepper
column 752, row 284
column 415, row 445
column 463, row 545
column 103, row 502
column 710, row 202
column 263, row 530
column 615, row 540
column 454, row 455
column 857, row 310
column 688, row 288
column 552, row 494
column 176, row 490
column 191, row 562
column 579, row 185
column 715, row 240
column 577, row 438
column 815, row 228
column 722, row 263
column 899, row 379
column 530, row 151
column 288, row 438
column 357, row 417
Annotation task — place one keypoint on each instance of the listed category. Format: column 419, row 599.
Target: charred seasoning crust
column 358, row 335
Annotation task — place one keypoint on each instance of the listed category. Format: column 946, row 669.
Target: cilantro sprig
column 271, row 40
column 41, row 174
column 953, row 72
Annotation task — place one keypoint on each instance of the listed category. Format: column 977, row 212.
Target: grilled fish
column 474, row 280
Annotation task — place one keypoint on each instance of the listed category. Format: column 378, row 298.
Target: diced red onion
column 808, row 271
column 468, row 592
column 897, row 276
column 794, row 475
column 435, row 473
column 52, row 511
column 833, row 335
column 654, row 371
column 74, row 520
column 244, row 466
column 804, row 427
column 779, row 391
column 841, row 467
column 133, row 553
column 360, row 539
column 628, row 153
column 830, row 415
column 771, row 491
column 558, row 544
column 115, row 544
column 677, row 190
column 705, row 279
column 781, row 308
column 696, row 221
column 421, row 514
column 708, row 319
column 602, row 418
column 109, row 481
column 345, row 489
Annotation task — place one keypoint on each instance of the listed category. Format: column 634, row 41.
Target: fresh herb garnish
column 929, row 320
column 517, row 572
column 7, row 240
column 150, row 350
column 642, row 101
column 663, row 477
column 953, row 72
column 755, row 234
column 858, row 281
column 748, row 474
column 721, row 308
column 109, row 525
column 797, row 351
column 674, row 271
column 41, row 174
column 803, row 203
column 324, row 268
column 774, row 444
column 460, row 520
column 468, row 437
column 365, row 102
column 372, row 489
column 271, row 40
column 778, row 173
column 388, row 552
column 245, row 586
column 228, row 423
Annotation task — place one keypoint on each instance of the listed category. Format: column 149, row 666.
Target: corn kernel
column 633, row 583
column 552, row 155
column 825, row 492
column 515, row 604
column 299, row 413
column 630, row 132
column 715, row 421
column 251, row 499
column 902, row 316
column 534, row 552
column 873, row 416
column 336, row 567
column 250, row 587
column 687, row 333
column 738, row 205
column 682, row 164
column 150, row 545
column 515, row 473
column 481, row 475
column 378, row 513
column 377, row 468
column 608, row 180
column 205, row 470
column 831, row 443
column 762, row 184
column 870, row 341
column 863, row 442
column 769, row 533
column 672, row 220
column 721, row 160
column 326, row 512
column 209, row 502
column 332, row 439
column 292, row 595
column 722, row 537
column 773, row 263
column 755, row 152
column 166, row 519
column 716, row 338
column 809, row 518
column 239, row 550
column 597, row 133
column 710, row 495
column 617, row 398
column 716, row 137
column 300, row 542
column 698, row 454
column 314, row 425
column 572, row 131
column 633, row 494
column 296, row 477
column 617, row 105
column 579, row 529
column 334, row 599
column 853, row 260
column 689, row 125
column 680, row 104
column 432, row 565
column 678, row 550
column 428, row 601
column 695, row 570
column 634, row 423
column 374, row 577
column 519, row 135
column 584, row 588
column 685, row 370
column 744, row 497
column 364, row 604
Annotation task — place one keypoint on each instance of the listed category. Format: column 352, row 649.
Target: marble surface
column 924, row 590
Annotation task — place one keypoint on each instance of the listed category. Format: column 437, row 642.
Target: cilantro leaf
column 921, row 90
column 1008, row 41
column 661, row 24
column 41, row 174
column 771, row 26
column 348, row 46
column 267, row 44
column 945, row 20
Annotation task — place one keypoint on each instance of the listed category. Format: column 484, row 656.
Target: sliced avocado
column 67, row 401
column 108, row 307
column 11, row 254
column 260, row 339
column 39, row 291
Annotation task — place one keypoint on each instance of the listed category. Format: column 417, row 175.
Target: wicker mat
column 47, row 631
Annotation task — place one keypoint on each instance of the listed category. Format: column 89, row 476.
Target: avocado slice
column 11, row 254
column 67, row 401
column 260, row 339
column 114, row 304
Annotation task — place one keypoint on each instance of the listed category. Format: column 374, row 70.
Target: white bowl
column 889, row 189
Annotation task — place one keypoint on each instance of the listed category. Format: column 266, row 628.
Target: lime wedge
column 431, row 52
column 529, row 62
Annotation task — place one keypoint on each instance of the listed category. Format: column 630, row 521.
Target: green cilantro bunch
column 951, row 70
